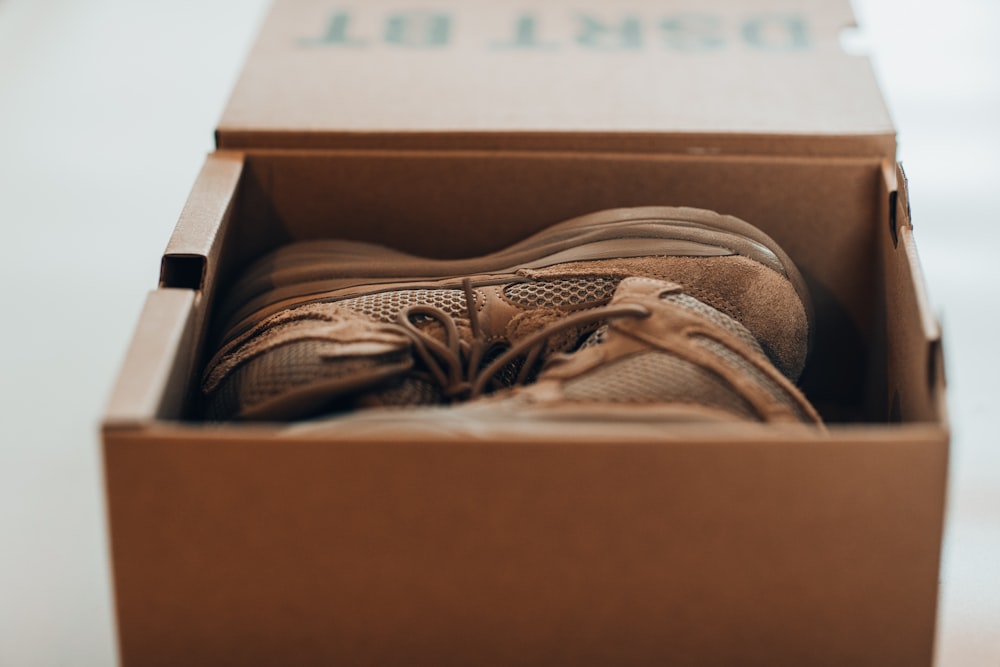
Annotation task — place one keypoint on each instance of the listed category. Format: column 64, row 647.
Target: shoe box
column 450, row 129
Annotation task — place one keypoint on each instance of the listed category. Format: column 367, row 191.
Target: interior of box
column 829, row 214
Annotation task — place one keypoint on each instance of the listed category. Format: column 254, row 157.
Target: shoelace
column 455, row 364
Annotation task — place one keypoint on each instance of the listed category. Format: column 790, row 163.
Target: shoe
column 663, row 357
column 337, row 324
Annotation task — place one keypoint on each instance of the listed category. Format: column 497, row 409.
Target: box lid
column 760, row 76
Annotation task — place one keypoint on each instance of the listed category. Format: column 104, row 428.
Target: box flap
column 766, row 76
column 153, row 381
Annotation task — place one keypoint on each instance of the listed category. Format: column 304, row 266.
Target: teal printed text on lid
column 685, row 32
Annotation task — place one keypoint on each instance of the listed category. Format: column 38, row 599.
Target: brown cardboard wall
column 246, row 546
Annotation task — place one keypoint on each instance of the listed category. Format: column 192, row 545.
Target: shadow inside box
column 837, row 377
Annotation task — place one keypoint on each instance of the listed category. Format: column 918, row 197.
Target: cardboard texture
column 618, row 544
column 570, row 75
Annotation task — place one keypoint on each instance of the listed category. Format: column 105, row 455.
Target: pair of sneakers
column 653, row 313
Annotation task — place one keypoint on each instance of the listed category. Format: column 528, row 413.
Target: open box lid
column 702, row 76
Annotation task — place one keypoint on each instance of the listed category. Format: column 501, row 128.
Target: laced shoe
column 326, row 325
column 662, row 357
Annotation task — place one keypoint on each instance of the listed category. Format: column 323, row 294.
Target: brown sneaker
column 662, row 357
column 325, row 325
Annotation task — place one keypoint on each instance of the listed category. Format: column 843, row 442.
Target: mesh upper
column 561, row 293
column 408, row 391
column 385, row 306
column 659, row 376
column 689, row 302
column 656, row 377
column 294, row 365
column 286, row 367
column 717, row 317
column 733, row 358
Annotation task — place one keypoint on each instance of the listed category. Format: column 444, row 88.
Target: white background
column 106, row 112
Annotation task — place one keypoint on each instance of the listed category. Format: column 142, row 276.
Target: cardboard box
column 457, row 130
